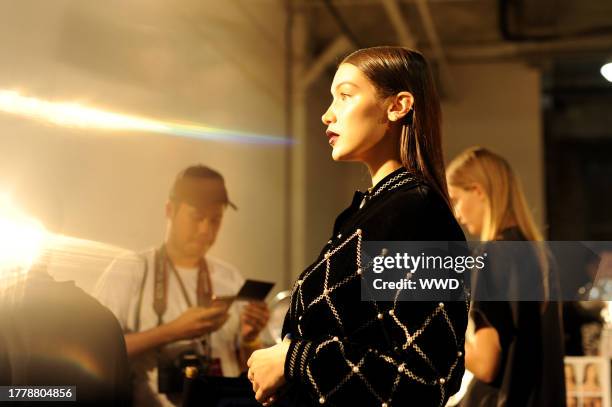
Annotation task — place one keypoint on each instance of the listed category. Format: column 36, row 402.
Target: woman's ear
column 479, row 191
column 399, row 106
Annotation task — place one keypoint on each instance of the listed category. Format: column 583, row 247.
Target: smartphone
column 224, row 301
column 254, row 290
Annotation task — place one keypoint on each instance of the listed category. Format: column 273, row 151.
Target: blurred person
column 591, row 378
column 54, row 334
column 576, row 316
column 570, row 377
column 516, row 353
column 339, row 349
column 166, row 299
column 592, row 402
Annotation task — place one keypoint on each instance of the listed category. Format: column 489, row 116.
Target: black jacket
column 531, row 338
column 349, row 352
column 54, row 334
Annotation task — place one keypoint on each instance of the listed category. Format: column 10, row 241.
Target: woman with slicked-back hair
column 516, row 352
column 338, row 349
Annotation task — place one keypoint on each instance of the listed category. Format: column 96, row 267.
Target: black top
column 531, row 369
column 53, row 333
column 349, row 352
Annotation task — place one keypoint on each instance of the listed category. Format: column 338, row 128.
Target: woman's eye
column 344, row 95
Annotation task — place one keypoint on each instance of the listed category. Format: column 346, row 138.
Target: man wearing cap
column 166, row 299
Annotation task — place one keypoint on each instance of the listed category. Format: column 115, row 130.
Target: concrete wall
column 202, row 62
column 498, row 107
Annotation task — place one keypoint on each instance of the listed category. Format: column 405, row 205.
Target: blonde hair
column 506, row 204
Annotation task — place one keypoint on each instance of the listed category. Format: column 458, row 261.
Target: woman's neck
column 385, row 157
column 381, row 170
column 508, row 222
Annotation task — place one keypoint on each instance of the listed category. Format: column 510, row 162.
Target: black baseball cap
column 199, row 186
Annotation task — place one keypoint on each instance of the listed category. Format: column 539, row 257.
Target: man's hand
column 253, row 319
column 193, row 323
column 197, row 321
column 267, row 371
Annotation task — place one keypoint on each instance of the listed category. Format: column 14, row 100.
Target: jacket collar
column 391, row 181
column 388, row 181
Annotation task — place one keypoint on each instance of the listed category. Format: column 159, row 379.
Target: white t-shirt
column 119, row 288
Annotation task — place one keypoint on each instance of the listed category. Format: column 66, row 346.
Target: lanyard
column 203, row 294
column 160, row 289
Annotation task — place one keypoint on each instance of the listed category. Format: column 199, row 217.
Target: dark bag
column 214, row 391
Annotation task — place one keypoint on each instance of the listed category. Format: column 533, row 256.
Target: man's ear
column 170, row 209
column 399, row 106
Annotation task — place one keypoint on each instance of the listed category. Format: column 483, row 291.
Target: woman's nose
column 327, row 117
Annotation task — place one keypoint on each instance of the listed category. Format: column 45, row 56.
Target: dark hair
column 199, row 171
column 396, row 69
column 188, row 187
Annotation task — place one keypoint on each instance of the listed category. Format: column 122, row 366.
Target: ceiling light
column 606, row 71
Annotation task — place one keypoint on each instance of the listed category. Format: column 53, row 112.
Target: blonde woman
column 516, row 353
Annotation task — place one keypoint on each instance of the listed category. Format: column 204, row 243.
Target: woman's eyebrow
column 345, row 83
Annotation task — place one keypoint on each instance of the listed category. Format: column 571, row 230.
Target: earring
column 410, row 116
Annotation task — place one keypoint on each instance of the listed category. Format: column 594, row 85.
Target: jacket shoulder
column 415, row 212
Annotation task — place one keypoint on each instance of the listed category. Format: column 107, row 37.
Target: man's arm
column 246, row 350
column 253, row 320
column 193, row 323
column 120, row 284
column 140, row 342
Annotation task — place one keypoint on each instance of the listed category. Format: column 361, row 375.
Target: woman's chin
column 338, row 154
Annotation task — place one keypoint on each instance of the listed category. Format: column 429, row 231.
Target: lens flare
column 22, row 239
column 76, row 115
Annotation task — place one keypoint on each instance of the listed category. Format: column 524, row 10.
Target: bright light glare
column 70, row 114
column 76, row 115
column 606, row 71
column 21, row 238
